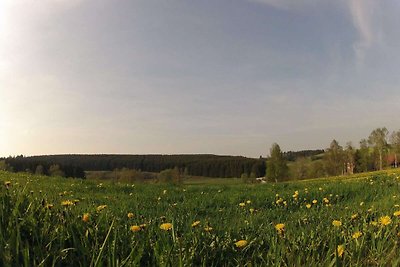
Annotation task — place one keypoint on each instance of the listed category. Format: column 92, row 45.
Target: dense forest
column 196, row 165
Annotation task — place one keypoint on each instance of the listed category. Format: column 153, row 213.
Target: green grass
column 32, row 234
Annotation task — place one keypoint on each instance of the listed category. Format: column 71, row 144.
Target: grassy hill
column 50, row 221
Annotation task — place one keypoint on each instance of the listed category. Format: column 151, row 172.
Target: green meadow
column 54, row 221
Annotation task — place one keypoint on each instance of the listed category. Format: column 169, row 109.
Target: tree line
column 380, row 150
column 194, row 165
column 41, row 167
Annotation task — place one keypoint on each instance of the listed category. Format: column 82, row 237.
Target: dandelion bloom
column 308, row 206
column 280, row 227
column 251, row 210
column 66, row 203
column 7, row 183
column 130, row 215
column 326, row 200
column 101, row 207
column 242, row 204
column 135, row 228
column 340, row 250
column 248, row 201
column 336, row 223
column 385, row 220
column 166, row 226
column 208, row 229
column 196, row 223
column 315, row 201
column 241, row 243
column 357, row 234
column 86, row 217
column 397, row 213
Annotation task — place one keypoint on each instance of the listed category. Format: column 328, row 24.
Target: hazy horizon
column 204, row 77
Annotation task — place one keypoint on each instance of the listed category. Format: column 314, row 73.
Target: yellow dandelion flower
column 67, row 203
column 397, row 213
column 130, row 215
column 208, row 229
column 242, row 204
column 315, row 201
column 385, row 220
column 7, row 183
column 101, row 207
column 336, row 223
column 251, row 210
column 241, row 243
column 166, row 226
column 196, row 223
column 308, row 206
column 340, row 250
column 280, row 228
column 326, row 201
column 357, row 234
column 86, row 217
column 135, row 228
column 248, row 202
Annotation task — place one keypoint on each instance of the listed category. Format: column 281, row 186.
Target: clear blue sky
column 209, row 76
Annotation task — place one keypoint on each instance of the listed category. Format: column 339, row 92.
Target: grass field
column 47, row 221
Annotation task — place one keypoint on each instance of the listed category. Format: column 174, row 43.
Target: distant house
column 391, row 160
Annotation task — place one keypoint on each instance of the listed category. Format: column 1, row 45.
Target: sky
column 227, row 77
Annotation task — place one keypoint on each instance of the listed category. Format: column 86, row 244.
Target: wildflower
column 354, row 216
column 326, row 201
column 166, row 226
column 315, row 201
column 101, row 207
column 248, row 202
column 135, row 228
column 385, row 220
column 7, row 183
column 280, row 227
column 86, row 217
column 130, row 215
column 241, row 243
column 357, row 234
column 340, row 250
column 336, row 223
column 208, row 229
column 252, row 210
column 397, row 213
column 308, row 206
column 67, row 203
column 242, row 204
column 196, row 223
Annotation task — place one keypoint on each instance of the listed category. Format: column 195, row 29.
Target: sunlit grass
column 65, row 222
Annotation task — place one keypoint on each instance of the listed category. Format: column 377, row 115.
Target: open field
column 46, row 221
